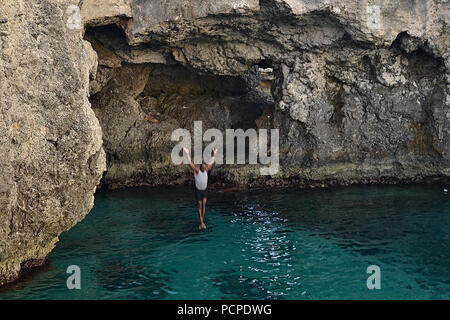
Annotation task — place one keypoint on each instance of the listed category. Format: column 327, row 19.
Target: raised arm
column 213, row 159
column 191, row 165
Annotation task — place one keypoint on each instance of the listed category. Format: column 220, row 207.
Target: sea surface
column 144, row 243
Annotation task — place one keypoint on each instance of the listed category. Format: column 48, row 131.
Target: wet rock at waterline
column 51, row 156
column 359, row 90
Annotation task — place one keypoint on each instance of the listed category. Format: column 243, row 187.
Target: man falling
column 201, row 184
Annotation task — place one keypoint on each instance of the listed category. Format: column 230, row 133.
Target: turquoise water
column 281, row 244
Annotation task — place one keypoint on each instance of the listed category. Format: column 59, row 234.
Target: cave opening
column 141, row 94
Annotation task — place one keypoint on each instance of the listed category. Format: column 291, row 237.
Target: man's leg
column 203, row 211
column 200, row 213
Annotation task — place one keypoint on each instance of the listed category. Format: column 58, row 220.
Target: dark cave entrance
column 142, row 94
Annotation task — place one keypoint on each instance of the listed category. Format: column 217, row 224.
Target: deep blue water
column 279, row 244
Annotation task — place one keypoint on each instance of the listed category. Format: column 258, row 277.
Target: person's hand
column 214, row 152
column 186, row 150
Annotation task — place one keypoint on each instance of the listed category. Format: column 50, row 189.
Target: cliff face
column 358, row 89
column 51, row 155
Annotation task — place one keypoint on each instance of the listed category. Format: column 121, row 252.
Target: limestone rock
column 359, row 89
column 51, row 142
column 103, row 12
column 150, row 14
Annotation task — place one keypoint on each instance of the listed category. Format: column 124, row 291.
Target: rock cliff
column 358, row 89
column 51, row 156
